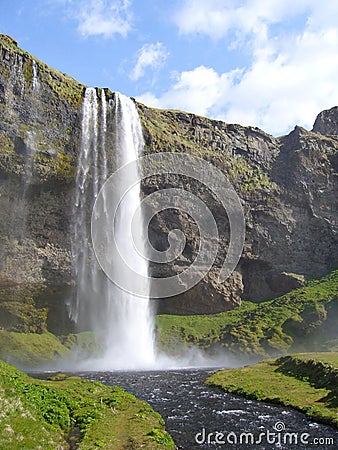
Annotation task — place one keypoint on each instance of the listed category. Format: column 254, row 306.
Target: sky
column 266, row 63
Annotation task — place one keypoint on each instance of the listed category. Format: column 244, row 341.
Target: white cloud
column 216, row 18
column 150, row 55
column 196, row 91
column 291, row 75
column 103, row 17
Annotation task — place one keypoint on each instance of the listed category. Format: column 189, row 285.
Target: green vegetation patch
column 307, row 382
column 50, row 414
column 61, row 167
column 301, row 320
column 86, row 344
column 29, row 350
column 200, row 330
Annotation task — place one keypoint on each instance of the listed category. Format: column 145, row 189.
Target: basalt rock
column 287, row 187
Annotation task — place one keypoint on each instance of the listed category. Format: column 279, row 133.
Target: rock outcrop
column 327, row 122
column 287, row 186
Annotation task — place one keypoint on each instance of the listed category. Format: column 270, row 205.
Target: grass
column 45, row 414
column 306, row 382
column 27, row 350
column 301, row 320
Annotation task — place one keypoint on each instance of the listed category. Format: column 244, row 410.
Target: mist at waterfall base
column 122, row 323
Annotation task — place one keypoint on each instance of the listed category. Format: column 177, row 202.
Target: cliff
column 287, row 186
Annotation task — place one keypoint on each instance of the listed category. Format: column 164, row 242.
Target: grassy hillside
column 304, row 319
column 52, row 414
column 307, row 382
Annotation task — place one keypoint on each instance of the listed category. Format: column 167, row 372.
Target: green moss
column 295, row 321
column 86, row 343
column 10, row 162
column 18, row 311
column 28, row 71
column 64, row 87
column 307, row 382
column 43, row 413
column 61, row 167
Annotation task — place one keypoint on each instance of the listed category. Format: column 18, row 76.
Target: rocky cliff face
column 287, row 186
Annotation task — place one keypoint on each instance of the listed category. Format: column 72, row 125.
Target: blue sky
column 266, row 63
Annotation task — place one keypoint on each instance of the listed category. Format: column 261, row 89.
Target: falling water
column 87, row 183
column 125, row 322
column 130, row 338
column 19, row 78
column 35, row 78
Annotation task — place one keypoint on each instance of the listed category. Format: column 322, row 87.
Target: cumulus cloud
column 289, row 78
column 103, row 17
column 196, row 91
column 150, row 55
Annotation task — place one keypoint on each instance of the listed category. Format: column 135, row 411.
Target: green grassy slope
column 303, row 319
column 51, row 414
column 307, row 382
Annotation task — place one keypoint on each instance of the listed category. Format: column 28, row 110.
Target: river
column 201, row 417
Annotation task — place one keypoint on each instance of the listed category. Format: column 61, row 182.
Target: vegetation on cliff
column 55, row 413
column 177, row 131
column 64, row 86
column 307, row 382
column 301, row 320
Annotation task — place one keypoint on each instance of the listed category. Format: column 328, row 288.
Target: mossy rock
column 18, row 311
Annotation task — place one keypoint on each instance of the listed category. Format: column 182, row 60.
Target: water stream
column 193, row 411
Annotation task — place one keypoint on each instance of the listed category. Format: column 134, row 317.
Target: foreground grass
column 48, row 415
column 307, row 382
column 302, row 320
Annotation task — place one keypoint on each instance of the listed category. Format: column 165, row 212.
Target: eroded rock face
column 327, row 122
column 287, row 188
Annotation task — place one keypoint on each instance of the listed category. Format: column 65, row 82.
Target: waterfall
column 130, row 339
column 124, row 322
